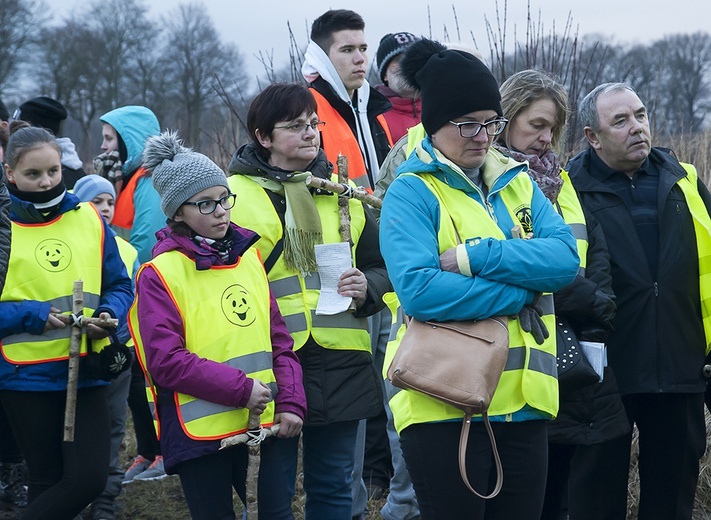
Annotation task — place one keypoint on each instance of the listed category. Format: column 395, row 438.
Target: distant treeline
column 109, row 53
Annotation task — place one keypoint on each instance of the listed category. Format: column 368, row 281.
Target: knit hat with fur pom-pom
column 178, row 172
column 452, row 83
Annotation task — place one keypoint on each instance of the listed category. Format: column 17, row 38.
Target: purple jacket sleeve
column 291, row 396
column 170, row 364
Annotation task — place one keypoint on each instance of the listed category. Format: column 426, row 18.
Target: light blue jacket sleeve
column 408, row 241
column 546, row 263
column 148, row 219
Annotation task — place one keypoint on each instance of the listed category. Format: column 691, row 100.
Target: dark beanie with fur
column 452, row 83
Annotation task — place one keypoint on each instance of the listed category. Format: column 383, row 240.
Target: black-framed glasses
column 469, row 129
column 208, row 206
column 297, row 128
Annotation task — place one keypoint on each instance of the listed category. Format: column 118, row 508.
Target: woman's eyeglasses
column 469, row 129
column 298, row 128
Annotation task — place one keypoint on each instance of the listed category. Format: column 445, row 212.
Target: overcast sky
column 261, row 25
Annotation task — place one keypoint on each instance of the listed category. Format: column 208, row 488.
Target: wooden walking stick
column 253, row 463
column 344, row 190
column 70, row 407
column 344, row 227
column 253, row 437
column 77, row 321
column 344, row 212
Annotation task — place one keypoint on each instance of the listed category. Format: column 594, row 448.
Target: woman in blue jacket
column 55, row 241
column 450, row 228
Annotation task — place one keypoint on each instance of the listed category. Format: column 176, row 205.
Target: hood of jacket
column 204, row 256
column 497, row 170
column 70, row 158
column 135, row 124
column 400, row 104
column 247, row 161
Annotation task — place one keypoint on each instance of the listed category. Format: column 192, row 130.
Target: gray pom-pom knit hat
column 178, row 172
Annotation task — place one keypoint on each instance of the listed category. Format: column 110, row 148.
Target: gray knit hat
column 178, row 172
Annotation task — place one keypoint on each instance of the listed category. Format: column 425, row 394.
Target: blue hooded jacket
column 135, row 124
column 506, row 274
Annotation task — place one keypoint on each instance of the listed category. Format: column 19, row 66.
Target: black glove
column 531, row 321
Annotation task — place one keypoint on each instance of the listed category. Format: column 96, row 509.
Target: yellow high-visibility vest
column 45, row 261
column 297, row 295
column 226, row 318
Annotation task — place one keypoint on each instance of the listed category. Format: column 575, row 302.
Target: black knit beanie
column 390, row 46
column 451, row 83
column 44, row 112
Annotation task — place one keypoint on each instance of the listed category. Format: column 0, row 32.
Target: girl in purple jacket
column 211, row 340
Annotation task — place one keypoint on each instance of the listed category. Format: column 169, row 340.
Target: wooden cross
column 77, row 322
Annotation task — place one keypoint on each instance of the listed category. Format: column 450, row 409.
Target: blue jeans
column 401, row 503
column 359, row 493
column 328, row 456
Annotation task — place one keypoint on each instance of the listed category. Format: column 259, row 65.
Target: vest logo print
column 523, row 214
column 237, row 306
column 53, row 255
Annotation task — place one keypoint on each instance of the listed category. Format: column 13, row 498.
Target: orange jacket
column 338, row 139
column 124, row 210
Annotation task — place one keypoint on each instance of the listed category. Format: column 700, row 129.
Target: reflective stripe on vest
column 226, row 318
column 297, row 296
column 530, row 377
column 45, row 261
column 702, row 230
column 338, row 139
column 568, row 206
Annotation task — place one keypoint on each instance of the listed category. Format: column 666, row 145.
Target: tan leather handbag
column 460, row 363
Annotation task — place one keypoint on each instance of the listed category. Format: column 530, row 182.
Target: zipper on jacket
column 509, row 417
column 490, row 209
column 656, row 289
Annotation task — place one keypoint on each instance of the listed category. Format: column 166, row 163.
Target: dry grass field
column 163, row 499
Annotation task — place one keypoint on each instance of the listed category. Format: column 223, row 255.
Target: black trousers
column 208, row 481
column 588, row 479
column 64, row 477
column 147, row 443
column 431, row 454
column 672, row 439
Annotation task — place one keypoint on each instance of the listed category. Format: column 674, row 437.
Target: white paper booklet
column 596, row 353
column 332, row 261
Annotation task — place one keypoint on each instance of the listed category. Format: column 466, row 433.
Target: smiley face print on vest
column 53, row 255
column 237, row 306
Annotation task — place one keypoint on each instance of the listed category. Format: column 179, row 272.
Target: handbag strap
column 463, row 439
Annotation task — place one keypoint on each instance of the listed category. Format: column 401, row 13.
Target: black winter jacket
column 5, row 229
column 341, row 385
column 594, row 413
column 658, row 343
